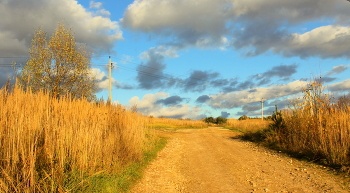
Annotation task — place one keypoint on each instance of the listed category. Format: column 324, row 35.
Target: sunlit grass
column 44, row 141
column 163, row 123
column 248, row 125
column 316, row 126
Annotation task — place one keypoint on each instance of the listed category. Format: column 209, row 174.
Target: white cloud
column 96, row 5
column 102, row 79
column 190, row 22
column 236, row 99
column 252, row 26
column 340, row 86
column 206, row 15
column 161, row 50
column 148, row 106
column 19, row 20
column 324, row 41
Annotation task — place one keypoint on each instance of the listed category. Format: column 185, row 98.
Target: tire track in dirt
column 215, row 160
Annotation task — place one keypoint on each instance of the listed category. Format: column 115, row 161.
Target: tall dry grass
column 317, row 126
column 44, row 140
column 248, row 125
column 153, row 122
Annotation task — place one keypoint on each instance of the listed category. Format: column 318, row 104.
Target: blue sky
column 194, row 59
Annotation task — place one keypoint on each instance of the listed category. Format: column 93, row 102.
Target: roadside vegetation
column 247, row 125
column 167, row 123
column 56, row 145
column 56, row 137
column 211, row 121
column 316, row 126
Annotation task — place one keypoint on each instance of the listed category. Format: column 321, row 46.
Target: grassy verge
column 123, row 180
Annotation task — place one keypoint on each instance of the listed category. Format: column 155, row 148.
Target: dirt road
column 215, row 160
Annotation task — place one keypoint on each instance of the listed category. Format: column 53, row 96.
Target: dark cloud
column 269, row 111
column 281, row 71
column 198, row 80
column 251, row 107
column 257, row 37
column 6, row 68
column 228, row 89
column 337, row 69
column 225, row 114
column 125, row 86
column 252, row 90
column 250, row 110
column 219, row 83
column 327, row 79
column 151, row 75
column 231, row 86
column 245, row 85
column 170, row 101
column 284, row 72
column 7, row 73
column 235, row 85
column 280, row 103
column 203, row 99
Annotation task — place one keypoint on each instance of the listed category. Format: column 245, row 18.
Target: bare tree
column 58, row 66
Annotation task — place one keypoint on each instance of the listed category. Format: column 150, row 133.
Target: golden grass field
column 248, row 125
column 55, row 145
column 316, row 125
column 156, row 123
column 322, row 131
column 43, row 140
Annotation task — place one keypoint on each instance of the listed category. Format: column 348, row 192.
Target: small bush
column 218, row 120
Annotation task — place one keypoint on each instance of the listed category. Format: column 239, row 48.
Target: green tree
column 244, row 117
column 220, row 120
column 58, row 66
column 209, row 120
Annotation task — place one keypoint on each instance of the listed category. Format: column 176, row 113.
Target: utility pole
column 110, row 65
column 262, row 108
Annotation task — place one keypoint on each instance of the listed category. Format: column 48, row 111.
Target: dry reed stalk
column 43, row 139
column 319, row 128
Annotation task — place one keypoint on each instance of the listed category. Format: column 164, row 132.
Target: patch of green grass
column 122, row 181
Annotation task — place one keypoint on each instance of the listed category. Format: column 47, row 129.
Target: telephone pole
column 110, row 65
column 262, row 108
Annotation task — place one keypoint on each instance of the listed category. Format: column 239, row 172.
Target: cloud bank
column 254, row 27
column 20, row 19
column 163, row 105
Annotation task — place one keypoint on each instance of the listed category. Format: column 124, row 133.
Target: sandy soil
column 215, row 160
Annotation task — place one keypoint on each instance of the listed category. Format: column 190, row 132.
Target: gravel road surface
column 215, row 160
